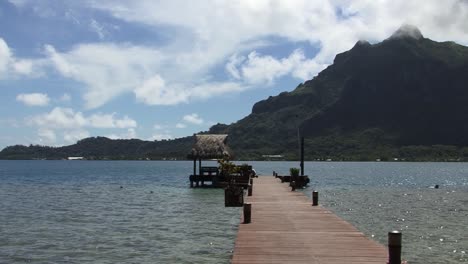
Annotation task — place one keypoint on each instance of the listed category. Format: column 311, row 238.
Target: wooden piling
column 394, row 247
column 249, row 190
column 302, row 156
column 194, row 167
column 199, row 167
column 314, row 198
column 247, row 213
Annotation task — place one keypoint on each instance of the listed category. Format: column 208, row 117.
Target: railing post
column 394, row 247
column 314, row 198
column 249, row 190
column 247, row 212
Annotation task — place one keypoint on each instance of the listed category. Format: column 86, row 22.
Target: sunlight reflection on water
column 76, row 212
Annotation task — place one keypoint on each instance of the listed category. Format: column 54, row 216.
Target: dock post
column 302, row 156
column 247, row 212
column 249, row 190
column 314, row 198
column 194, row 166
column 394, row 247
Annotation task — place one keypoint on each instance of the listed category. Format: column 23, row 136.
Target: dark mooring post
column 194, row 167
column 199, row 166
column 394, row 247
column 314, row 198
column 302, row 156
column 247, row 212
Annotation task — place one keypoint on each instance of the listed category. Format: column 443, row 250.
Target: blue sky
column 165, row 69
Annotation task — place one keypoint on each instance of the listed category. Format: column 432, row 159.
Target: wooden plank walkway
column 286, row 228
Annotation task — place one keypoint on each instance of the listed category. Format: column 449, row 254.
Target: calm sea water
column 144, row 211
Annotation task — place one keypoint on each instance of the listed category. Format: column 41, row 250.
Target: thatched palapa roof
column 210, row 146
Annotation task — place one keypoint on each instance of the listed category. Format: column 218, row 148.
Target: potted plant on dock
column 294, row 172
column 233, row 193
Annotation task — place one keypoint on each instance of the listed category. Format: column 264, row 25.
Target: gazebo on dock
column 207, row 147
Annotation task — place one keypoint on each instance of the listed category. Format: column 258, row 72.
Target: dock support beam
column 247, row 213
column 314, row 198
column 302, row 156
column 199, row 166
column 194, row 166
column 394, row 247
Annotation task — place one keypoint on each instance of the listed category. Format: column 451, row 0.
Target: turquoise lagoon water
column 144, row 211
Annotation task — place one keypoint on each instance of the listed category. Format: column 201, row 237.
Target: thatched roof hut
column 210, row 146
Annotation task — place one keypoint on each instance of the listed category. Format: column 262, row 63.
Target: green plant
column 226, row 167
column 294, row 172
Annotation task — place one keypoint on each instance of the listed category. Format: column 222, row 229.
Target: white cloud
column 107, row 70
column 179, row 70
column 65, row 98
column 67, row 118
column 59, row 118
column 181, row 125
column 97, row 28
column 33, row 99
column 12, row 67
column 129, row 134
column 75, row 135
column 233, row 64
column 72, row 124
column 208, row 90
column 258, row 69
column 46, row 136
column 19, row 3
column 24, row 67
column 158, row 127
column 5, row 57
column 317, row 22
column 154, row 92
column 264, row 69
column 126, row 122
column 193, row 119
column 161, row 136
column 102, row 120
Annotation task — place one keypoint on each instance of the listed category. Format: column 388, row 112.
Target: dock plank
column 286, row 228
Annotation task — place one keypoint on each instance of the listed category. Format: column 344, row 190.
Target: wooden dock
column 286, row 228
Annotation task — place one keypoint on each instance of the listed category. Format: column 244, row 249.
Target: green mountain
column 405, row 98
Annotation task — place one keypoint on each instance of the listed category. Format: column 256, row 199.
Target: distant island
column 405, row 98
